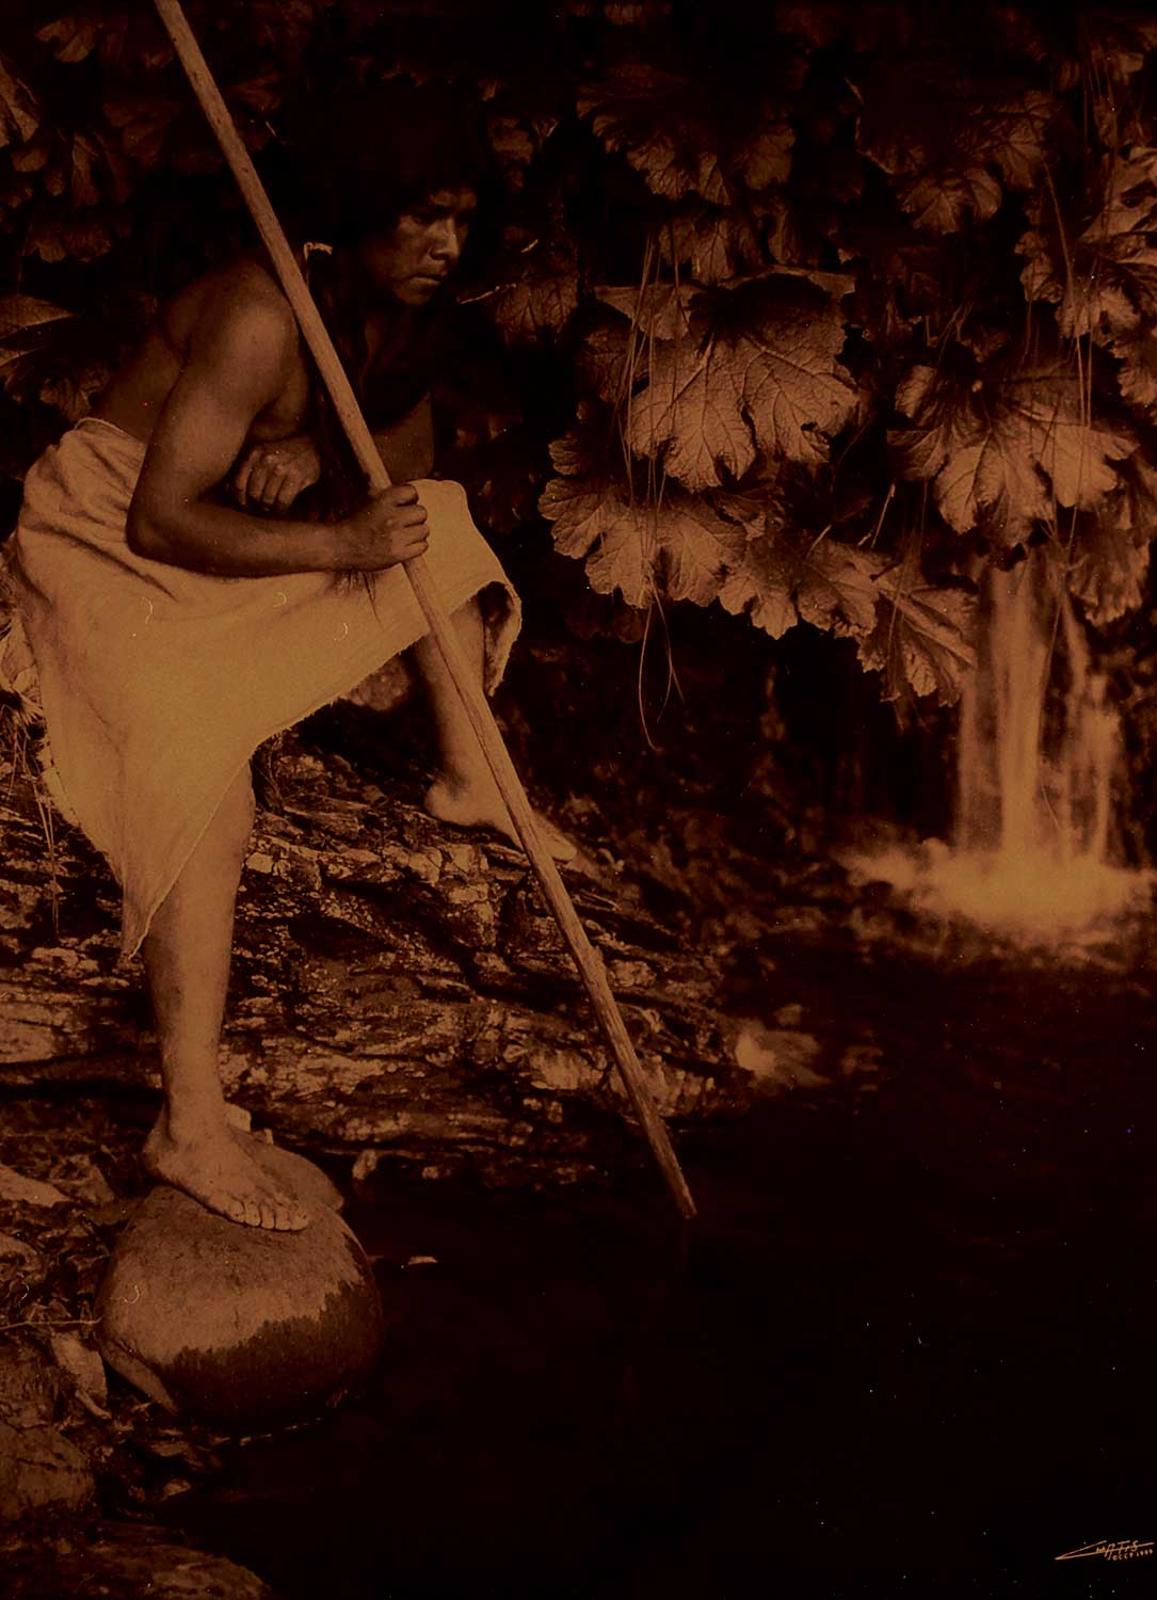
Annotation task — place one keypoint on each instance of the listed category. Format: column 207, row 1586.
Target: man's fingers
column 403, row 494
column 290, row 488
column 244, row 475
column 261, row 484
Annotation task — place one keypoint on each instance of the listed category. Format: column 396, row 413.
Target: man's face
column 413, row 259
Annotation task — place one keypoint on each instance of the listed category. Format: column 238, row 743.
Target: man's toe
column 291, row 1217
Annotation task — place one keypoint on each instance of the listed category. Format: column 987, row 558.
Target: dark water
column 907, row 1350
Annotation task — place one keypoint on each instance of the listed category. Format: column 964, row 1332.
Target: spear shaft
column 586, row 958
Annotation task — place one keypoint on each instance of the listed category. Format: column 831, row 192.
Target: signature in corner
column 1112, row 1550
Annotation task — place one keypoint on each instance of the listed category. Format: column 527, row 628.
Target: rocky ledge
column 399, row 990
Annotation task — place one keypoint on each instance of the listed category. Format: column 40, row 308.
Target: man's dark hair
column 381, row 151
column 378, row 153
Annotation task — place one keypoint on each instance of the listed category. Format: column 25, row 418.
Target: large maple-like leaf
column 950, row 144
column 19, row 113
column 760, row 370
column 1115, row 47
column 112, row 28
column 712, row 243
column 796, row 391
column 1012, row 136
column 684, row 137
column 144, row 123
column 1137, row 375
column 659, row 311
column 1108, row 565
column 923, row 639
column 691, row 412
column 541, row 291
column 944, row 201
column 901, row 281
column 601, row 362
column 997, row 455
column 674, row 543
column 764, row 157
column 22, row 312
column 655, row 118
column 1109, row 552
column 780, row 581
column 58, row 234
column 696, row 547
column 73, row 36
column 1102, row 277
column 1077, row 454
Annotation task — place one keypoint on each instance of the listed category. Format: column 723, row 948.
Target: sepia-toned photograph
column 578, row 710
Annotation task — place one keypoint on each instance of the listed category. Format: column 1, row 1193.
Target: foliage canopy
column 805, row 313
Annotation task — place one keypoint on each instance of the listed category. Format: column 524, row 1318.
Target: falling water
column 1038, row 768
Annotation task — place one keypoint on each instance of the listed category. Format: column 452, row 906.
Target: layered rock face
column 399, row 990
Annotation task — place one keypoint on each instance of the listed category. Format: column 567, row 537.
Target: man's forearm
column 204, row 537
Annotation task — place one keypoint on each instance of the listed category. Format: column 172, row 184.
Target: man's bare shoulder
column 236, row 308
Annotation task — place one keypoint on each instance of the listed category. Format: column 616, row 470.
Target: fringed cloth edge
column 155, row 684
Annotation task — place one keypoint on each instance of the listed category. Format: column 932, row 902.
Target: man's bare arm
column 273, row 474
column 238, row 364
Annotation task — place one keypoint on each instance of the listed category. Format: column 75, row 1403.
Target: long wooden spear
column 333, row 375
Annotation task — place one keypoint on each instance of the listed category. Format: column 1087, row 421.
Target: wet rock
column 397, row 984
column 123, row 1562
column 778, row 1058
column 233, row 1323
column 29, row 1385
column 19, row 1190
column 82, row 1364
column 79, row 1178
column 19, row 1260
column 40, row 1470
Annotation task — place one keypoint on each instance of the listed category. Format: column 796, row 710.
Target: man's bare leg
column 187, row 956
column 465, row 792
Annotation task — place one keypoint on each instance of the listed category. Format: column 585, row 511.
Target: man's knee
column 236, row 814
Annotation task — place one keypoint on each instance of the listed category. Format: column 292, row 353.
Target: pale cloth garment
column 156, row 684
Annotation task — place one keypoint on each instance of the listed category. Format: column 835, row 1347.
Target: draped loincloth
column 157, row 684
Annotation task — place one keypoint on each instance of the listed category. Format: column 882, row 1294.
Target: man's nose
column 447, row 243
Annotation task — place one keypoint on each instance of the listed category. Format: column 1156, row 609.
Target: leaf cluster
column 807, row 308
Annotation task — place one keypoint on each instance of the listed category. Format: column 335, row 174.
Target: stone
column 22, row 1191
column 123, row 1561
column 29, row 1385
column 778, row 1058
column 78, row 1177
column 233, row 1324
column 82, row 1364
column 41, row 1470
column 19, row 1260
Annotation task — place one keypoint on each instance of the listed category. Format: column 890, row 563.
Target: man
column 181, row 608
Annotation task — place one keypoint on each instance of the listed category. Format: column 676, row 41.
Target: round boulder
column 235, row 1324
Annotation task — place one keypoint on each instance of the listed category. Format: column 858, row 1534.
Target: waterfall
column 1038, row 772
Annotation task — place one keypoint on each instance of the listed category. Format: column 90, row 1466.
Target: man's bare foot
column 471, row 806
column 296, row 1175
column 215, row 1168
